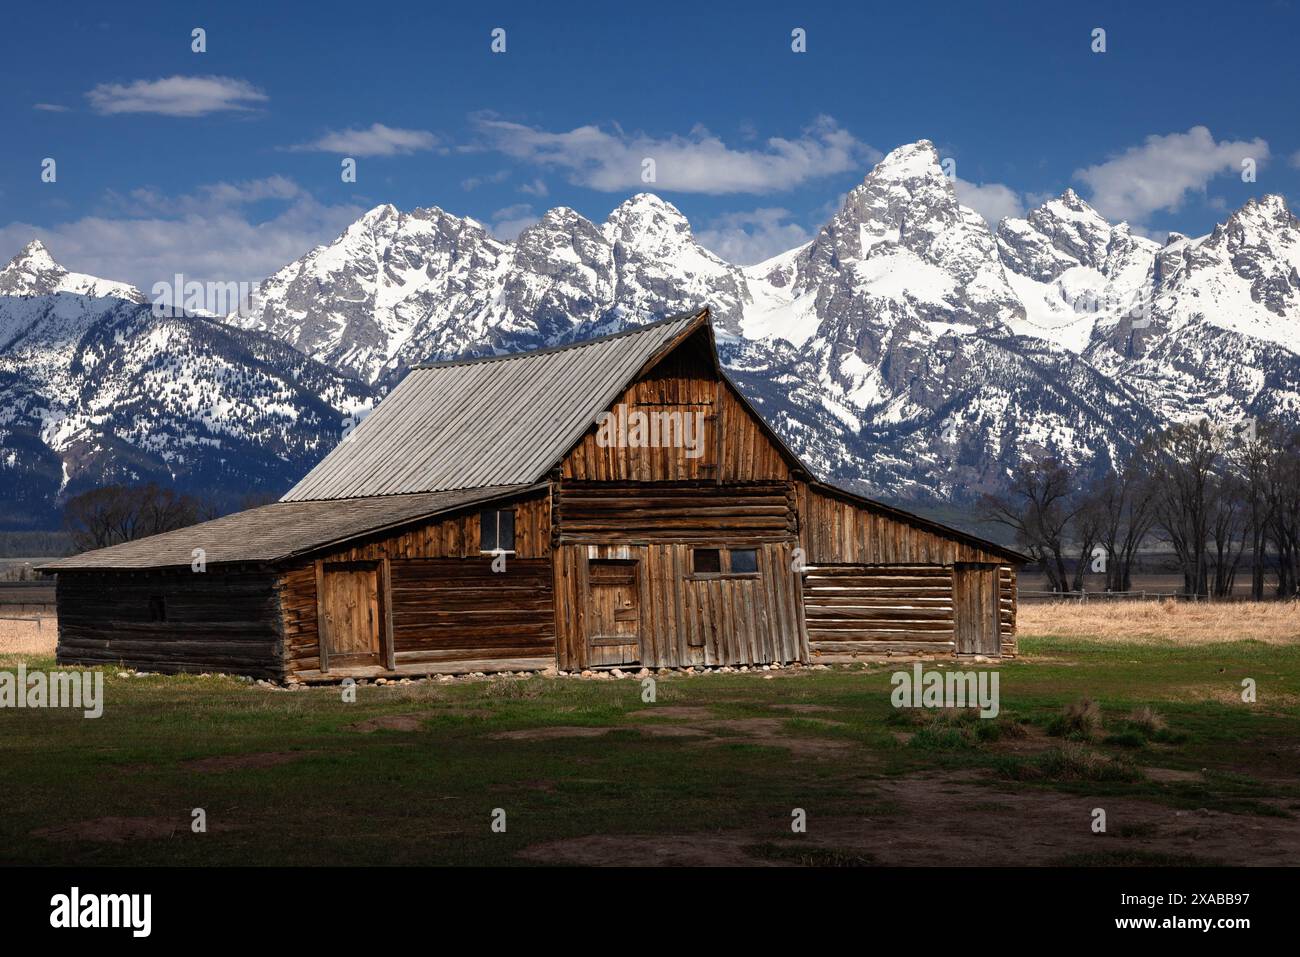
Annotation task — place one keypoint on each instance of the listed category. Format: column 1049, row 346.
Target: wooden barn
column 614, row 502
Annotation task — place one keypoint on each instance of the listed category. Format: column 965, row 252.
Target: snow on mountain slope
column 907, row 347
column 95, row 390
column 33, row 272
column 1073, row 271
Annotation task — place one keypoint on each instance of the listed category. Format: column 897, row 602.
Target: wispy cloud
column 509, row 222
column 176, row 96
column 994, row 201
column 750, row 237
column 1163, row 171
column 50, row 107
column 208, row 235
column 474, row 182
column 699, row 162
column 378, row 140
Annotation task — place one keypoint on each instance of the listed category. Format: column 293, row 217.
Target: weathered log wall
column 855, row 608
column 172, row 620
column 868, row 609
column 638, row 513
column 459, row 609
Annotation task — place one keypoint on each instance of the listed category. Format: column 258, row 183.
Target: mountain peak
column 1269, row 208
column 646, row 216
column 34, row 272
column 919, row 159
column 34, row 256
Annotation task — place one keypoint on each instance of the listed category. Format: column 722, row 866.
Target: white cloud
column 176, row 96
column 147, row 201
column 536, row 188
column 379, row 140
column 1295, row 159
column 994, row 201
column 146, row 237
column 509, row 222
column 49, row 107
column 699, row 162
column 751, row 237
column 474, row 182
column 1159, row 174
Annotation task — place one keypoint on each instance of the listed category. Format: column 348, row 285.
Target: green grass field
column 710, row 773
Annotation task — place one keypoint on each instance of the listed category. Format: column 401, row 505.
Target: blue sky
column 226, row 164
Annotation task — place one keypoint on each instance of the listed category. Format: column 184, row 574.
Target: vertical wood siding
column 685, row 619
column 834, row 529
column 735, row 446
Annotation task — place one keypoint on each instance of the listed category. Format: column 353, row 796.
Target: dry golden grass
column 1155, row 621
column 26, row 638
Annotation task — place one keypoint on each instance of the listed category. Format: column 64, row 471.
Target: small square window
column 496, row 529
column 157, row 608
column 744, row 561
column 706, row 561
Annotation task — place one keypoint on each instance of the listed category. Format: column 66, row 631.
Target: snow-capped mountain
column 908, row 347
column 33, row 272
column 94, row 388
column 398, row 288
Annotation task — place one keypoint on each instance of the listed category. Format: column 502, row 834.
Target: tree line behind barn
column 1223, row 502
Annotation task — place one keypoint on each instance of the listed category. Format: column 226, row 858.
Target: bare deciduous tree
column 122, row 513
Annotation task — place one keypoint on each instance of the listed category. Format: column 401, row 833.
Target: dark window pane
column 707, row 561
column 157, row 608
column 744, row 560
column 487, row 525
column 506, row 530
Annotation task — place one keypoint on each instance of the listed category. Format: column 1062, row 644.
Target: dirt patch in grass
column 649, row 850
column 770, row 732
column 1164, row 775
column 244, row 762
column 766, row 732
column 953, row 818
column 685, row 712
column 802, row 708
column 672, row 731
column 390, row 722
column 550, row 734
column 113, row 830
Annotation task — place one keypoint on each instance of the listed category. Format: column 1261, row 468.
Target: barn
column 610, row 503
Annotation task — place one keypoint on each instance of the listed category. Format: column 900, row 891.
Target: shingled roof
column 500, row 420
column 276, row 532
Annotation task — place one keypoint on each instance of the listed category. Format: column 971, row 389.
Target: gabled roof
column 283, row 530
column 500, row 420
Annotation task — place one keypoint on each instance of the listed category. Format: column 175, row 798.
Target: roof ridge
column 578, row 344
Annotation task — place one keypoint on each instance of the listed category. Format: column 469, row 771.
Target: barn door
column 613, row 612
column 349, row 615
column 975, row 609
